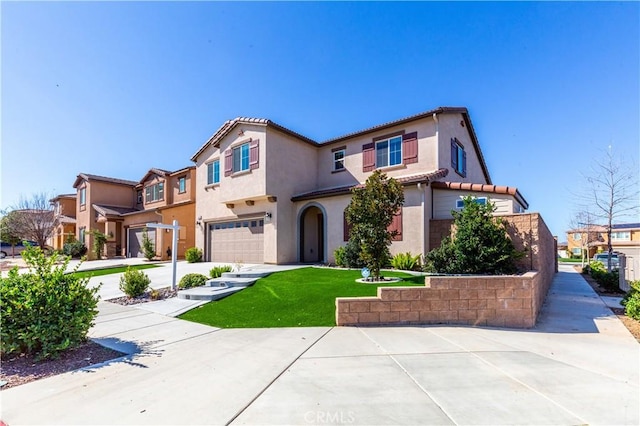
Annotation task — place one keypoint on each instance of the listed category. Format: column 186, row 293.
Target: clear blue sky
column 116, row 88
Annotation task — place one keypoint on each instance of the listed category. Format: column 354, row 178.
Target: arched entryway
column 312, row 234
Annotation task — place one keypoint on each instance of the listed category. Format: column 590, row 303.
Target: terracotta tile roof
column 346, row 189
column 90, row 177
column 228, row 125
column 439, row 110
column 480, row 187
column 58, row 197
column 65, row 219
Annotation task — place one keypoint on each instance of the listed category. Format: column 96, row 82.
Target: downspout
column 422, row 228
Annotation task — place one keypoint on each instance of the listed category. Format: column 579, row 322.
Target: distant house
column 64, row 217
column 625, row 239
column 121, row 208
column 268, row 194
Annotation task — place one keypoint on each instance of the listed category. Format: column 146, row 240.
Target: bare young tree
column 584, row 226
column 614, row 192
column 32, row 219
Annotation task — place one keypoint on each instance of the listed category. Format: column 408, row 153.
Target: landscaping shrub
column 192, row 280
column 44, row 311
column 217, row 271
column 193, row 255
column 134, row 283
column 608, row 280
column 479, row 245
column 148, row 248
column 348, row 256
column 406, row 261
column 99, row 240
column 631, row 301
column 74, row 248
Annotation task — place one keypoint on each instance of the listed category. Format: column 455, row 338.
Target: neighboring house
column 268, row 194
column 64, row 217
column 585, row 239
column 625, row 239
column 121, row 208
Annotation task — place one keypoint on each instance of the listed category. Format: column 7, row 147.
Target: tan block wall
column 504, row 301
column 498, row 301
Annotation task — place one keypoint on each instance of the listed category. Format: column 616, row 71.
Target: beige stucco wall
column 353, row 174
column 445, row 200
column 449, row 127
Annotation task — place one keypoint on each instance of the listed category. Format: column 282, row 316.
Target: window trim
column 460, row 169
column 182, row 184
column 478, row 200
column 150, row 189
column 212, row 165
column 239, row 149
column 334, row 152
column 627, row 236
column 388, row 142
column 83, row 196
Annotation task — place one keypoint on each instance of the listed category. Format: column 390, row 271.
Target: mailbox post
column 174, row 247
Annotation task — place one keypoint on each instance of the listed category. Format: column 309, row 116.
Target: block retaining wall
column 499, row 301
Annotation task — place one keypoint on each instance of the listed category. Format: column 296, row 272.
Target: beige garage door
column 240, row 241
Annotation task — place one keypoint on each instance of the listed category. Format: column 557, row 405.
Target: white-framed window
column 338, row 159
column 83, row 196
column 213, row 172
column 182, row 184
column 82, row 235
column 154, row 192
column 477, row 200
column 621, row 236
column 389, row 152
column 576, row 250
column 577, row 236
column 241, row 158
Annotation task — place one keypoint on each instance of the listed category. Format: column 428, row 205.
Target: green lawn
column 297, row 298
column 108, row 271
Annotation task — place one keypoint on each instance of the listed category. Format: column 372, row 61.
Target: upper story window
column 241, row 158
column 577, row 236
column 458, row 158
column 213, row 172
column 621, row 236
column 83, row 196
column 338, row 159
column 389, row 152
column 154, row 192
column 182, row 184
column 139, row 197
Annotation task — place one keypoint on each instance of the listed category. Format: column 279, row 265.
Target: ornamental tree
column 479, row 244
column 370, row 213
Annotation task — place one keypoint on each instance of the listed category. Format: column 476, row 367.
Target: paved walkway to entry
column 578, row 366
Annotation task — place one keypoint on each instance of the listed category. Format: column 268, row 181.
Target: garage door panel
column 237, row 241
column 134, row 241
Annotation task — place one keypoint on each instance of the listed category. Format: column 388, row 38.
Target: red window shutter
column 396, row 225
column 368, row 157
column 346, row 227
column 254, row 157
column 454, row 154
column 228, row 162
column 410, row 148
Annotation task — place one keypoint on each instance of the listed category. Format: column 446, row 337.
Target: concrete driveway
column 578, row 366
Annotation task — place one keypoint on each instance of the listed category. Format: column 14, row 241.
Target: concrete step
column 208, row 293
column 246, row 274
column 231, row 282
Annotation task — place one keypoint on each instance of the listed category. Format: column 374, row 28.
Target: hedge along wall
column 502, row 301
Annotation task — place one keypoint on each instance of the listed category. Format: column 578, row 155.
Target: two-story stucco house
column 64, row 217
column 121, row 209
column 268, row 194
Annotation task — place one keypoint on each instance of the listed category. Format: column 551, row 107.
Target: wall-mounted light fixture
column 267, row 217
column 199, row 221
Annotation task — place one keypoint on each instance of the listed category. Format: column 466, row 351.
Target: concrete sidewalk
column 578, row 366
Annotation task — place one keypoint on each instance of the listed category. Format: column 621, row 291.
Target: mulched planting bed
column 162, row 293
column 21, row 369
